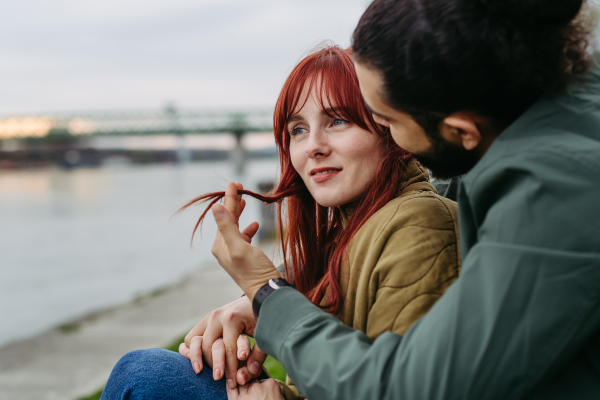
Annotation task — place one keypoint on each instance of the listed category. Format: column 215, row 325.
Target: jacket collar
column 417, row 179
column 577, row 111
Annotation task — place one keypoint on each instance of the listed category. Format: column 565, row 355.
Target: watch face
column 273, row 284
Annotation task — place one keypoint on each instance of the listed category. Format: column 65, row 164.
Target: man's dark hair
column 490, row 57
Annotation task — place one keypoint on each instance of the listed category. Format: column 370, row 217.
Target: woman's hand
column 267, row 389
column 249, row 267
column 220, row 336
column 224, row 328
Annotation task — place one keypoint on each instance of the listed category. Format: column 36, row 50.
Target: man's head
column 447, row 145
column 447, row 76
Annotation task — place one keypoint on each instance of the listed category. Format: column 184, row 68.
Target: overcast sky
column 80, row 55
column 91, row 55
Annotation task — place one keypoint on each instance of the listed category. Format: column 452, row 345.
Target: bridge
column 169, row 121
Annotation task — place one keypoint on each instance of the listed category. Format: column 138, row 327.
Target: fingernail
column 196, row 367
column 217, row 374
column 188, row 355
column 244, row 379
column 254, row 367
column 243, row 355
column 230, row 384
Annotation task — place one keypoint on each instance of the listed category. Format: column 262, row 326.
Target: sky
column 75, row 56
column 111, row 55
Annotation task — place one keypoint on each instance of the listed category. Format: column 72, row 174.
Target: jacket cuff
column 280, row 312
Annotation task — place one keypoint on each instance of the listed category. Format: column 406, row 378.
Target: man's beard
column 446, row 160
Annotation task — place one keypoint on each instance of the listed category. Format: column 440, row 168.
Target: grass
column 69, row 327
column 143, row 297
column 272, row 365
column 93, row 396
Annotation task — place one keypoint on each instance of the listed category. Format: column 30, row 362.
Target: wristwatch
column 266, row 290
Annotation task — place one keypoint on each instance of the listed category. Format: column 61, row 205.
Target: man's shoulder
column 547, row 157
column 543, row 194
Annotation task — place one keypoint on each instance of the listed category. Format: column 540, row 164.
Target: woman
column 367, row 237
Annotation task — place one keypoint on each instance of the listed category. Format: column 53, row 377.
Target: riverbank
column 75, row 359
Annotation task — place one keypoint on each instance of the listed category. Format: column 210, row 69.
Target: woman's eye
column 338, row 122
column 297, row 131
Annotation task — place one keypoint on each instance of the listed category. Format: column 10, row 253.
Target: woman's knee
column 142, row 358
column 144, row 362
column 159, row 374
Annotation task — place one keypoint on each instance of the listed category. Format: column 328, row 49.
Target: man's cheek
column 412, row 142
column 400, row 137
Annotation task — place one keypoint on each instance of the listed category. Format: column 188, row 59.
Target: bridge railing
column 167, row 121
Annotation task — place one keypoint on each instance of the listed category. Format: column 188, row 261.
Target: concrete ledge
column 77, row 361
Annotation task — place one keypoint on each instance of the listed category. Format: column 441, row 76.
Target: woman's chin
column 327, row 204
column 338, row 195
column 331, row 201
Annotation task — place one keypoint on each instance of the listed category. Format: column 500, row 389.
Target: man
column 497, row 89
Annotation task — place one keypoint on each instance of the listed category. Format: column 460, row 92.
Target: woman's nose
column 317, row 145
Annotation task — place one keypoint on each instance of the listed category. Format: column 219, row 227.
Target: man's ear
column 462, row 128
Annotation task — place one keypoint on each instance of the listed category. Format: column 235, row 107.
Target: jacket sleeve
column 520, row 309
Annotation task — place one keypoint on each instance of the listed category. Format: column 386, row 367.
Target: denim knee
column 160, row 374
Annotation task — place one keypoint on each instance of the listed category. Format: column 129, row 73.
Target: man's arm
column 526, row 302
column 492, row 335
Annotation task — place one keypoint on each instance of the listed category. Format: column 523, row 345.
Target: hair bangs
column 338, row 92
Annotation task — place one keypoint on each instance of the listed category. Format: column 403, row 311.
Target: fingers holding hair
column 233, row 199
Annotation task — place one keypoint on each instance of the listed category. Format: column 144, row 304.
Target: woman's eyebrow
column 332, row 111
column 295, row 118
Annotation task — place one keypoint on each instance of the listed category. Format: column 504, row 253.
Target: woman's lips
column 323, row 174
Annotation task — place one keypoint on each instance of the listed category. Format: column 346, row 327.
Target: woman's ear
column 461, row 128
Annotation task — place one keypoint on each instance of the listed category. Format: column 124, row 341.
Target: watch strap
column 265, row 291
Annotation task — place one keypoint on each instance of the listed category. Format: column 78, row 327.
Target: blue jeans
column 161, row 374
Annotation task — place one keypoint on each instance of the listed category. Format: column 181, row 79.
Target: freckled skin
column 318, row 141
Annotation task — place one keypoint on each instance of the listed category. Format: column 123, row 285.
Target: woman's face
column 336, row 159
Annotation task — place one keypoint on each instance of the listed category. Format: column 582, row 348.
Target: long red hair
column 315, row 242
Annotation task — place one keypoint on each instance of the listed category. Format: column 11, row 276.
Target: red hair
column 315, row 242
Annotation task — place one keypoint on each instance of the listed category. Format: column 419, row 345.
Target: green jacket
column 522, row 320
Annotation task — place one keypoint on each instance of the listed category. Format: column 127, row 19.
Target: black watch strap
column 266, row 290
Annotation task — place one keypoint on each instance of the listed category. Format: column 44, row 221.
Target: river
column 72, row 242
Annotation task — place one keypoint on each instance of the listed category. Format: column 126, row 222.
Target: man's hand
column 249, row 267
column 267, row 389
column 224, row 328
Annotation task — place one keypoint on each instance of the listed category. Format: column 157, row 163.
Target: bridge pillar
column 183, row 153
column 238, row 154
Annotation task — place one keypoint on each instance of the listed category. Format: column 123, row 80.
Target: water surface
column 72, row 242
